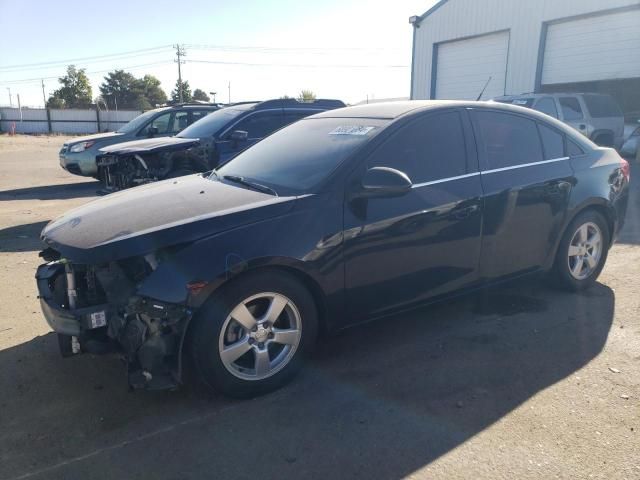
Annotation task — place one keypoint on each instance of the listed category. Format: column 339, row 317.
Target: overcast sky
column 345, row 49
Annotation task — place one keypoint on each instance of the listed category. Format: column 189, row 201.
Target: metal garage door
column 594, row 48
column 464, row 66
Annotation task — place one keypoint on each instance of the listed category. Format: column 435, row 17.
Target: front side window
column 547, row 105
column 198, row 114
column 552, row 142
column 260, row 125
column 571, row 109
column 162, row 123
column 211, row 124
column 507, row 140
column 179, row 122
column 430, row 148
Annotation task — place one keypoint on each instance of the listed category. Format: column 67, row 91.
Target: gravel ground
column 521, row 382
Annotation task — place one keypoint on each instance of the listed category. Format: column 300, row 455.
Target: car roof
column 393, row 110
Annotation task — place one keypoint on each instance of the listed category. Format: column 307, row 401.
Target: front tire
column 582, row 252
column 250, row 338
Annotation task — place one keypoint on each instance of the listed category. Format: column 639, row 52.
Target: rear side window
column 427, row 149
column 547, row 105
column 507, row 140
column 552, row 142
column 571, row 108
column 198, row 114
column 601, row 106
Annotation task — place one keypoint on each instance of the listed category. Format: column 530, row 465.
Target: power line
column 79, row 59
column 289, row 49
column 38, row 79
column 295, row 65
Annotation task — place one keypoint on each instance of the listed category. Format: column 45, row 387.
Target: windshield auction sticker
column 351, row 130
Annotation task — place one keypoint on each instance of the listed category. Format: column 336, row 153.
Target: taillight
column 625, row 168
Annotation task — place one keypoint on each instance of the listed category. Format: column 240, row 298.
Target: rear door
column 526, row 179
column 400, row 251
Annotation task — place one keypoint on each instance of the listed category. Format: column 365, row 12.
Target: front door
column 527, row 179
column 401, row 251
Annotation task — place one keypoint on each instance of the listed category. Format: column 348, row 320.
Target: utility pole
column 180, row 52
column 229, row 92
column 44, row 97
column 10, row 99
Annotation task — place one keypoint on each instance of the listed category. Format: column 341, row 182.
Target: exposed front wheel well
column 604, row 138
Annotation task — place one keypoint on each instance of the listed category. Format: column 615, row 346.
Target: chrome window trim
column 495, row 170
column 442, row 180
column 524, row 165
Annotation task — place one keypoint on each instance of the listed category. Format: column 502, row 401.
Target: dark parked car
column 343, row 217
column 204, row 145
column 78, row 156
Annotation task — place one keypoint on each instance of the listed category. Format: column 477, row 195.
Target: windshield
column 211, row 124
column 297, row 158
column 138, row 122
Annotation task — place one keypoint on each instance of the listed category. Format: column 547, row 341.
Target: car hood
column 150, row 217
column 96, row 137
column 149, row 145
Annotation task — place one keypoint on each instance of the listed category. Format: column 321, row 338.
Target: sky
column 345, row 49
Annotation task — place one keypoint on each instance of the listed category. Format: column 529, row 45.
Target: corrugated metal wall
column 34, row 120
column 458, row 19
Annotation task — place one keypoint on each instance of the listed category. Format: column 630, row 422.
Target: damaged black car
column 342, row 217
column 203, row 146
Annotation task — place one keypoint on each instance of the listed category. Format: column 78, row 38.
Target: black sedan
column 343, row 217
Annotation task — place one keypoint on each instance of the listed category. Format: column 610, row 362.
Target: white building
column 520, row 46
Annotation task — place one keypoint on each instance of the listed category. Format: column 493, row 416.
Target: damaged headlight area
column 95, row 309
column 118, row 172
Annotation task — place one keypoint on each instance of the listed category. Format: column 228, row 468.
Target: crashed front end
column 97, row 309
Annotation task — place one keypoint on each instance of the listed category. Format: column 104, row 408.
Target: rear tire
column 250, row 338
column 582, row 252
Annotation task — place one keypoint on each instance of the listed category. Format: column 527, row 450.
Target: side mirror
column 152, row 131
column 239, row 136
column 384, row 182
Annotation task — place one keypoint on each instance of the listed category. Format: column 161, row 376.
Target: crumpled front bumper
column 60, row 319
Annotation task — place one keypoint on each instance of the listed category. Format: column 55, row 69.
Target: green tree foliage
column 186, row 92
column 200, row 95
column 122, row 90
column 75, row 91
column 306, row 96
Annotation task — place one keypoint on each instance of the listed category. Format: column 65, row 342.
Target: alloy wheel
column 585, row 251
column 260, row 336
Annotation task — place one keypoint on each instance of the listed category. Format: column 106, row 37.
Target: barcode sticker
column 351, row 130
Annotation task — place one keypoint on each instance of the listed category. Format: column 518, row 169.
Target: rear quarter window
column 552, row 142
column 601, row 106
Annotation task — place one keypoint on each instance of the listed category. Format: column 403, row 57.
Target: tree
column 306, row 96
column 122, row 90
column 151, row 91
column 186, row 92
column 119, row 90
column 200, row 95
column 75, row 91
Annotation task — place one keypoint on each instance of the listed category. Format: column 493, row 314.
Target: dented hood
column 149, row 145
column 149, row 217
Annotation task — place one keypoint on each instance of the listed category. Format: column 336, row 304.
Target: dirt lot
column 517, row 383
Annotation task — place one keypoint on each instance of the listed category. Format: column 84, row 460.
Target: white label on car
column 519, row 102
column 351, row 130
column 98, row 319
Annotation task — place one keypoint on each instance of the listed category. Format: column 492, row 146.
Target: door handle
column 463, row 213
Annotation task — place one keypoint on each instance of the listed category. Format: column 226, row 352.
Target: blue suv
column 203, row 146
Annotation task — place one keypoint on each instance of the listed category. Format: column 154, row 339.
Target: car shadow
column 22, row 238
column 52, row 192
column 380, row 400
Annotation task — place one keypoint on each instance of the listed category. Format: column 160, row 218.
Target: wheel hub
column 261, row 334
